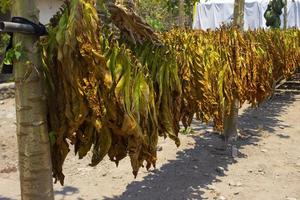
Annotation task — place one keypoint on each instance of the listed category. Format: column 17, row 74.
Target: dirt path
column 267, row 166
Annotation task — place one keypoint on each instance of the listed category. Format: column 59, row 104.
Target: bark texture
column 33, row 140
column 238, row 13
column 231, row 122
column 285, row 15
column 181, row 13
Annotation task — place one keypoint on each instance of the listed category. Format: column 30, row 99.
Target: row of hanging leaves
column 226, row 64
column 114, row 96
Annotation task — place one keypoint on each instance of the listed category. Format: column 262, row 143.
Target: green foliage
column 13, row 54
column 5, row 5
column 186, row 131
column 188, row 8
column 273, row 12
column 155, row 23
column 156, row 14
column 4, row 40
column 52, row 138
column 162, row 14
column 173, row 6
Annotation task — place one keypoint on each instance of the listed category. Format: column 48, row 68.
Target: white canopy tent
column 211, row 14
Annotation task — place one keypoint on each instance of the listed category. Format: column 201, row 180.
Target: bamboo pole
column 32, row 134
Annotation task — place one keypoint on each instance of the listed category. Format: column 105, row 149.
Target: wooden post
column 231, row 120
column 181, row 16
column 238, row 13
column 32, row 134
column 285, row 15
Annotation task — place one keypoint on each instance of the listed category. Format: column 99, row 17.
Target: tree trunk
column 285, row 15
column 238, row 13
column 33, row 140
column 231, row 120
column 181, row 19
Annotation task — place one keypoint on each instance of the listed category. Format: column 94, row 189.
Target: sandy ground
column 267, row 165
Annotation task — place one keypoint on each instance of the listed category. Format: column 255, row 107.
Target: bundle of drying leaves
column 220, row 66
column 115, row 97
column 101, row 96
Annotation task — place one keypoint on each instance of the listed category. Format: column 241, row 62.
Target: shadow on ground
column 5, row 198
column 266, row 116
column 204, row 163
column 66, row 192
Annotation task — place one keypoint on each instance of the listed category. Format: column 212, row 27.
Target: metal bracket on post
column 22, row 25
column 12, row 27
column 19, row 25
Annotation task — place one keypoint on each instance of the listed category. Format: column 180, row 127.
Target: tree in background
column 165, row 14
column 175, row 8
column 273, row 12
column 156, row 14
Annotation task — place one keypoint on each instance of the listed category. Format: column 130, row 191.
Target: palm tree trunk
column 33, row 140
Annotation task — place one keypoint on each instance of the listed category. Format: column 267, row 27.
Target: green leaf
column 17, row 55
column 52, row 138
